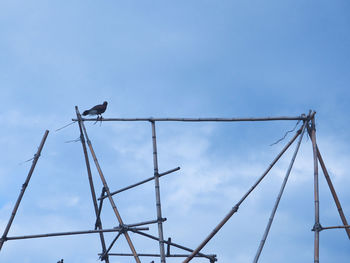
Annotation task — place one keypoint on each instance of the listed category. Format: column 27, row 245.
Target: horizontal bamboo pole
column 281, row 118
column 74, row 233
column 145, row 223
column 211, row 257
column 335, row 227
column 139, row 183
column 154, row 255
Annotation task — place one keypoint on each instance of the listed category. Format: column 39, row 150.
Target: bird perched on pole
column 97, row 110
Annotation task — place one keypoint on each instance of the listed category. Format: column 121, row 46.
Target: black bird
column 97, row 110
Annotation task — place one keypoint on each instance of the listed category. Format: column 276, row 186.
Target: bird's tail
column 85, row 113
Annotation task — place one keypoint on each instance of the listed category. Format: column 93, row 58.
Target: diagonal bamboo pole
column 24, row 186
column 279, row 196
column 331, row 187
column 317, row 227
column 98, row 224
column 105, row 254
column 211, row 257
column 127, row 237
column 157, row 190
column 120, row 229
column 334, row 194
column 235, row 208
column 98, row 219
column 139, row 183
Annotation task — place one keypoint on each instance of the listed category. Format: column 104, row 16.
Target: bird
column 97, row 110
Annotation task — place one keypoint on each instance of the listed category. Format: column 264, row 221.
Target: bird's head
column 105, row 103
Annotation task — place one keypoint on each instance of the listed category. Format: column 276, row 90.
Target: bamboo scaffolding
column 124, row 228
column 235, row 208
column 127, row 237
column 24, row 186
column 157, row 191
column 139, row 183
column 281, row 118
column 74, row 233
column 317, row 227
column 210, row 257
column 98, row 223
column 267, row 229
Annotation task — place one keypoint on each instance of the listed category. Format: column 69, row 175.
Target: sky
column 174, row 59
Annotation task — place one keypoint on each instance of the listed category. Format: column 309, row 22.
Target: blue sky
column 174, row 59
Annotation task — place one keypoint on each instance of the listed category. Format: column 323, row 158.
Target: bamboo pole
column 98, row 219
column 153, row 255
column 334, row 227
column 145, row 223
column 120, row 220
column 334, row 194
column 317, row 227
column 211, row 257
column 105, row 254
column 267, row 229
column 139, row 183
column 235, row 208
column 98, row 223
column 24, row 186
column 281, row 118
column 74, row 233
column 157, row 191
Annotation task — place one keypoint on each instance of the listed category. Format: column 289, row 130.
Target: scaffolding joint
column 123, row 228
column 161, row 219
column 317, row 227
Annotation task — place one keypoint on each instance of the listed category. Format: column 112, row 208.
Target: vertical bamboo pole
column 157, row 190
column 267, row 229
column 334, row 194
column 98, row 224
column 24, row 186
column 127, row 237
column 331, row 187
column 235, row 208
column 317, row 227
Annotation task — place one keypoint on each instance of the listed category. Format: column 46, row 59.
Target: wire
column 65, row 126
column 285, row 135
